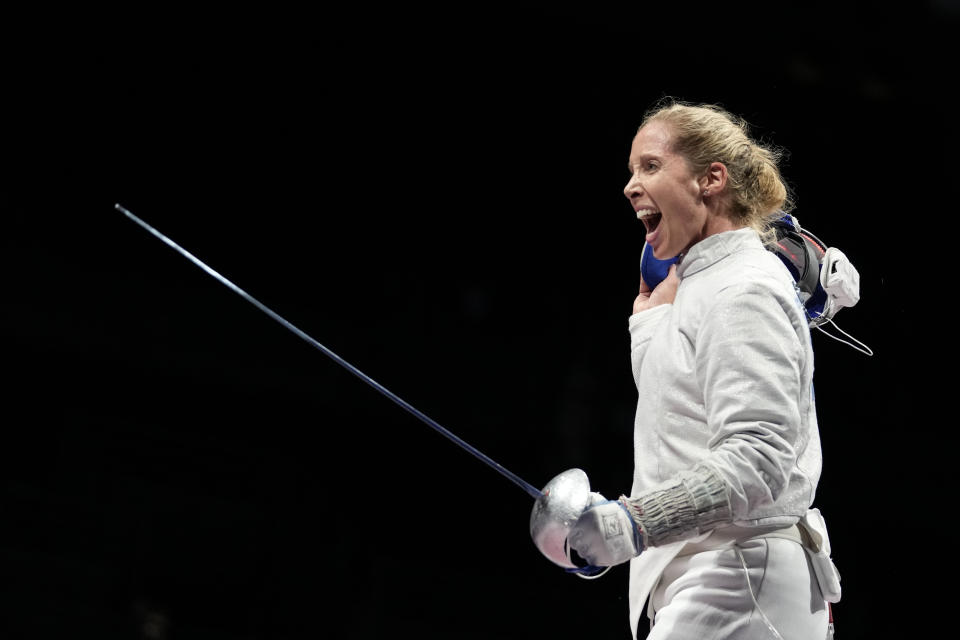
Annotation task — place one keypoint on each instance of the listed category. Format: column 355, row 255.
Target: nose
column 633, row 188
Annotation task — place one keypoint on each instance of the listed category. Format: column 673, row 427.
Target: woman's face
column 665, row 193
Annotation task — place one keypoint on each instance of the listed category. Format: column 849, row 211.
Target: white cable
column 594, row 576
column 746, row 573
column 866, row 350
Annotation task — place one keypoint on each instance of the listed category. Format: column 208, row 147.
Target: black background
column 436, row 196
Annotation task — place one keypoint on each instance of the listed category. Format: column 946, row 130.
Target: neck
column 716, row 223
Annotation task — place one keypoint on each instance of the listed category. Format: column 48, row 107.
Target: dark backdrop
column 436, row 197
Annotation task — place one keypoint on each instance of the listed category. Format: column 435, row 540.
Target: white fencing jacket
column 726, row 427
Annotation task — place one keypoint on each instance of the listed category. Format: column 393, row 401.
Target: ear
column 715, row 178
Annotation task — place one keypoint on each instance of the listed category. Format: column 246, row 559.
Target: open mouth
column 650, row 218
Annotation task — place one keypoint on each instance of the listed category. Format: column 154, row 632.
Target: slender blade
column 517, row 480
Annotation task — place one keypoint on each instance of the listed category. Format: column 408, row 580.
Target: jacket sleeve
column 749, row 360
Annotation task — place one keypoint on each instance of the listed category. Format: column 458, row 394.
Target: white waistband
column 728, row 536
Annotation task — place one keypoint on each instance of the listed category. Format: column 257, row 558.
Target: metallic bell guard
column 560, row 504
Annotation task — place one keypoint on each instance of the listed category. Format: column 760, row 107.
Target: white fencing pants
column 706, row 595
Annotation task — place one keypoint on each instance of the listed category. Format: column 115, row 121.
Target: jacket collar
column 714, row 248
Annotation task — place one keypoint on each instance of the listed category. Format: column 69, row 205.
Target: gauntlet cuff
column 695, row 503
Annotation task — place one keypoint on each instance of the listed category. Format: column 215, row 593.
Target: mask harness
column 824, row 278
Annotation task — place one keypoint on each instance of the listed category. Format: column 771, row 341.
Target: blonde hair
column 707, row 133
